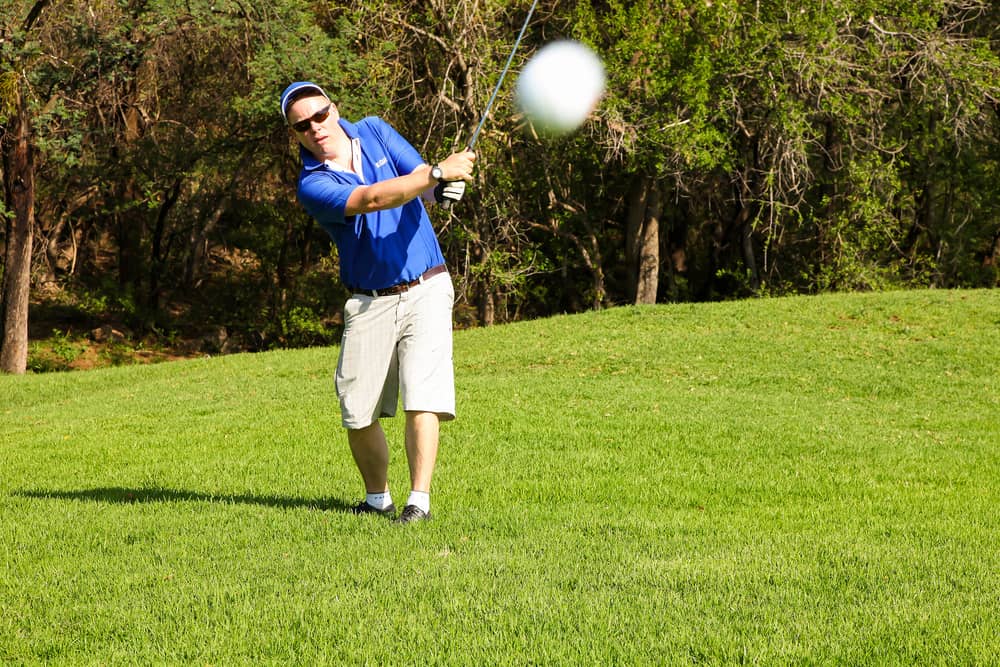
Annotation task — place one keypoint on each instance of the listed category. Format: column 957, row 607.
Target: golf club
column 489, row 105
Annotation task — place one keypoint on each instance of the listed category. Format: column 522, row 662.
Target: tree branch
column 33, row 15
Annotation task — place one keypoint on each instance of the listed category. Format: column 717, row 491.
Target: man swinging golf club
column 365, row 185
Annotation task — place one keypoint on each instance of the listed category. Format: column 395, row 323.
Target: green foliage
column 845, row 131
column 799, row 146
column 8, row 93
column 294, row 47
column 56, row 354
column 302, row 327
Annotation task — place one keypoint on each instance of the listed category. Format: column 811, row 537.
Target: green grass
column 805, row 480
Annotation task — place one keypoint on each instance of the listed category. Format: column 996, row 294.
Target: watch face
column 436, row 172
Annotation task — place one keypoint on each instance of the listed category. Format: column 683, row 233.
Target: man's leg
column 422, row 429
column 427, row 383
column 371, row 454
column 422, row 432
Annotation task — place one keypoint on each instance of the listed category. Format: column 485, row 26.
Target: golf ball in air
column 560, row 86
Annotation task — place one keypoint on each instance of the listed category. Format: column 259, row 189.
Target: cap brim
column 295, row 90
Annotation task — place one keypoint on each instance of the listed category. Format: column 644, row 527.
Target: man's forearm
column 391, row 193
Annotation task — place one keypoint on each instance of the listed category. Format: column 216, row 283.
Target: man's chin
column 319, row 151
column 324, row 146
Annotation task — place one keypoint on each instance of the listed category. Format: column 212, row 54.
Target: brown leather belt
column 401, row 287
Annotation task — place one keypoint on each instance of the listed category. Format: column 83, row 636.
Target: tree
column 160, row 135
column 741, row 148
column 803, row 146
column 16, row 146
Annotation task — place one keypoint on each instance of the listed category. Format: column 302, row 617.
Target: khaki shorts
column 399, row 344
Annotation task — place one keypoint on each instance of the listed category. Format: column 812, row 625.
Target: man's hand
column 456, row 169
column 449, row 192
column 458, row 166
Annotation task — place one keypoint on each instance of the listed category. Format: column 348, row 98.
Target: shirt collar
column 309, row 161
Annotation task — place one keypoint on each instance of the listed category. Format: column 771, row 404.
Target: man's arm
column 397, row 191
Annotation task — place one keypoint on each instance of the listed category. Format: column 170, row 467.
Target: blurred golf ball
column 560, row 86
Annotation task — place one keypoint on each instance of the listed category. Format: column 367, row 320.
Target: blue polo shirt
column 377, row 249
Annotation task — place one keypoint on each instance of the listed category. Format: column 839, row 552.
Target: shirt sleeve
column 324, row 196
column 398, row 149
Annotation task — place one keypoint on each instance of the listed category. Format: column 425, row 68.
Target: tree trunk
column 62, row 255
column 749, row 256
column 649, row 247
column 487, row 307
column 129, row 230
column 159, row 253
column 992, row 257
column 53, row 250
column 198, row 240
column 743, row 227
column 642, row 243
column 198, row 244
column 19, row 192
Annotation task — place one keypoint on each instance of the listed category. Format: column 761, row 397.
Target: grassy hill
column 807, row 479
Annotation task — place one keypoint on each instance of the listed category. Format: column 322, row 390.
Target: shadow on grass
column 125, row 496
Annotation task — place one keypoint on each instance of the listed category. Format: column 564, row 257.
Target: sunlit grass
column 805, row 480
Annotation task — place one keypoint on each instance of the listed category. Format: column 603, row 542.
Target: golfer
column 365, row 185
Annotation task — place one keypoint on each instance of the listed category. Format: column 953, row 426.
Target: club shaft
column 503, row 74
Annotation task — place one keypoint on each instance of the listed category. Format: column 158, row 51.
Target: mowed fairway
column 807, row 480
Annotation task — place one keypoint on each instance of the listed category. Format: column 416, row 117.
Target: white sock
column 421, row 499
column 379, row 500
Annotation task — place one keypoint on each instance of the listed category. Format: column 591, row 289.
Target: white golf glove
column 449, row 192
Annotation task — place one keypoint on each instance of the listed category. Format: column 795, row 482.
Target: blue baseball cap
column 296, row 89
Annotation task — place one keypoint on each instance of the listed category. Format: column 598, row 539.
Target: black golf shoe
column 412, row 513
column 364, row 508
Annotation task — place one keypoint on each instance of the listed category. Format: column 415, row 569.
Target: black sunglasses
column 317, row 117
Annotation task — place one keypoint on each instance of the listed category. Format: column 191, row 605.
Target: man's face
column 314, row 121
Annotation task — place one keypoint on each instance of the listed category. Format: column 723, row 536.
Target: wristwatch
column 436, row 173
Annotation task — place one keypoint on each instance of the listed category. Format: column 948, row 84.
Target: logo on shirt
column 381, row 163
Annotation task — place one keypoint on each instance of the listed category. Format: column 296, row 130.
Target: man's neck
column 342, row 153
